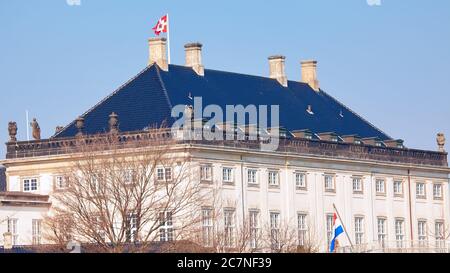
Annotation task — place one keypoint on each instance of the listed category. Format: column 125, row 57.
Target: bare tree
column 124, row 193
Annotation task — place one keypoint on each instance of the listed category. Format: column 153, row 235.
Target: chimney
column 158, row 52
column 194, row 58
column 277, row 70
column 309, row 74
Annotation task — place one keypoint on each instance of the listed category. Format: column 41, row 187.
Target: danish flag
column 161, row 26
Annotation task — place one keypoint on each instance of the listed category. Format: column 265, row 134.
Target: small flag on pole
column 162, row 25
column 338, row 229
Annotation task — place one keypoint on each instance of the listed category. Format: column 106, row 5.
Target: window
column 329, row 183
column 420, row 190
column 357, row 185
column 164, row 174
column 165, row 226
column 398, row 188
column 437, row 191
column 132, row 227
column 60, row 182
column 381, row 229
column 359, row 230
column 330, row 224
column 273, row 179
column 254, row 228
column 98, row 223
column 30, row 184
column 207, row 226
column 379, row 186
column 36, row 231
column 252, row 177
column 275, row 230
column 227, row 175
column 206, row 173
column 229, row 227
column 302, row 228
column 300, row 181
column 12, row 228
column 439, row 234
column 399, row 232
column 128, row 177
column 422, row 233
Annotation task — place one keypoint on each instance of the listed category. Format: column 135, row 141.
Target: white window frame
column 398, row 188
column 302, row 228
column 421, row 192
column 228, row 175
column 380, row 186
column 273, row 178
column 30, row 184
column 12, row 224
column 60, row 182
column 229, row 226
column 422, row 233
column 275, row 219
column 357, row 185
column 254, row 228
column 329, row 183
column 300, row 181
column 166, row 229
column 252, row 177
column 207, row 227
column 36, row 231
column 437, row 194
column 359, row 230
column 206, row 173
column 329, row 227
column 382, row 231
column 399, row 226
column 439, row 230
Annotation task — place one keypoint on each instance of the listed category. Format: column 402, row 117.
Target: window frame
column 230, row 179
column 377, row 189
column 206, row 177
column 359, row 225
column 441, row 192
column 300, row 186
column 276, row 177
column 36, row 231
column 254, row 182
column 361, row 185
column 420, row 194
column 333, row 183
column 166, row 226
column 302, row 228
column 402, row 190
column 30, row 185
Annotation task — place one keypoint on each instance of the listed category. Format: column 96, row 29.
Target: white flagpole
column 168, row 37
column 28, row 126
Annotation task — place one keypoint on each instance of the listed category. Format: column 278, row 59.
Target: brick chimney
column 309, row 74
column 277, row 69
column 158, row 52
column 194, row 58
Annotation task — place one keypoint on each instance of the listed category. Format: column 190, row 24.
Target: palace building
column 389, row 197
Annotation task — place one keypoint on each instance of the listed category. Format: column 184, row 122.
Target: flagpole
column 343, row 226
column 168, row 37
column 28, row 125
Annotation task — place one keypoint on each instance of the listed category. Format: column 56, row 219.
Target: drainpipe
column 242, row 191
column 410, row 209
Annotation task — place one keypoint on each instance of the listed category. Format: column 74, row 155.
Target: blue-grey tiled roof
column 147, row 99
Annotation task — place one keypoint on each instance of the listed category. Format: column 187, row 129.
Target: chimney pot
column 277, row 69
column 309, row 74
column 194, row 57
column 158, row 52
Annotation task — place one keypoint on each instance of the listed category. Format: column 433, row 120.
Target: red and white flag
column 162, row 25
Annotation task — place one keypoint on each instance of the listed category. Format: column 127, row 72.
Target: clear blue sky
column 389, row 63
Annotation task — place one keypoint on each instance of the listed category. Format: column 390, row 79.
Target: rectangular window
column 132, row 227
column 422, row 233
column 275, row 230
column 229, row 227
column 439, row 234
column 252, row 177
column 398, row 188
column 329, row 183
column 227, row 175
column 399, row 232
column 437, row 191
column 165, row 226
column 12, row 228
column 206, row 173
column 128, row 177
column 302, row 229
column 36, row 231
column 164, row 174
column 273, row 179
column 60, row 182
column 300, row 181
column 254, row 228
column 30, row 184
column 380, row 186
column 357, row 185
column 207, row 227
column 420, row 190
column 381, row 229
column 329, row 221
column 359, row 230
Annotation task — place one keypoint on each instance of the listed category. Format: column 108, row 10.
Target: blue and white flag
column 338, row 230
